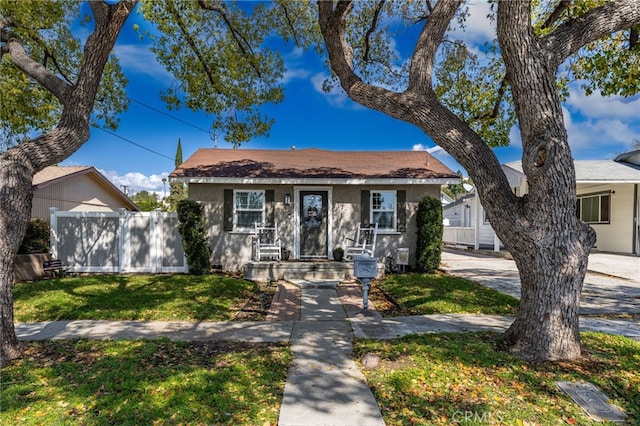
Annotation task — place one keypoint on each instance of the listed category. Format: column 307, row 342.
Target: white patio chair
column 365, row 242
column 267, row 243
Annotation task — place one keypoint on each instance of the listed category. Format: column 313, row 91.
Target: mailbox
column 365, row 268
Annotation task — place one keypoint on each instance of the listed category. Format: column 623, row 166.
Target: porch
column 301, row 270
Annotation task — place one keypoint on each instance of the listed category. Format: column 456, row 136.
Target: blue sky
column 598, row 127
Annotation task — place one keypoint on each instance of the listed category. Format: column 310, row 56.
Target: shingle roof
column 312, row 163
column 598, row 171
column 52, row 173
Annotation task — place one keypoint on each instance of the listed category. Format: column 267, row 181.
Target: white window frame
column 394, row 211
column 599, row 196
column 251, row 227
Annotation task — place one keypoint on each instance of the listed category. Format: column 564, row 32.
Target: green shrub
column 430, row 229
column 193, row 230
column 37, row 239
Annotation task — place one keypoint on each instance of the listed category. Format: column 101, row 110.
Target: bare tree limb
column 569, row 37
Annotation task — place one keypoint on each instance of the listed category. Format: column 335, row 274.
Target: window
column 594, row 208
column 383, row 210
column 248, row 209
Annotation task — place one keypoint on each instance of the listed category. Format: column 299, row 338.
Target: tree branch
column 557, row 13
column 420, row 73
column 289, row 22
column 371, row 29
column 569, row 37
column 237, row 36
column 213, row 81
column 34, row 69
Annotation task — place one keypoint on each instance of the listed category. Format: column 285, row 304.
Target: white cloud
column 295, row 74
column 139, row 59
column 136, row 181
column 478, row 27
column 431, row 150
column 598, row 134
column 598, row 106
column 336, row 97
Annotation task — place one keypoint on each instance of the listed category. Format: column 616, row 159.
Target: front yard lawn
column 140, row 382
column 442, row 379
column 214, row 297
column 423, row 294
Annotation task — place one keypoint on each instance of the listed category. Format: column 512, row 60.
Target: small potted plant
column 285, row 253
column 338, row 254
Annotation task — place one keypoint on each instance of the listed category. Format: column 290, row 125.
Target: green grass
column 437, row 379
column 423, row 294
column 144, row 382
column 140, row 297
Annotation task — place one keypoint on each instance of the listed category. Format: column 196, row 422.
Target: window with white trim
column 383, row 210
column 248, row 209
column 594, row 208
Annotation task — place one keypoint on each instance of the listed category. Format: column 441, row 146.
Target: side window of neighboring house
column 594, row 208
column 249, row 208
column 383, row 210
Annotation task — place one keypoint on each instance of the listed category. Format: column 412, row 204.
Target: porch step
column 297, row 270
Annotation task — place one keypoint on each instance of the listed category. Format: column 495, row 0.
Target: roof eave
column 316, row 181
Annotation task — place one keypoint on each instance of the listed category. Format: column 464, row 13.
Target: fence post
column 124, row 255
column 53, row 233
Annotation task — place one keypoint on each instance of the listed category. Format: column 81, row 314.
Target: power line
column 134, row 143
column 169, row 115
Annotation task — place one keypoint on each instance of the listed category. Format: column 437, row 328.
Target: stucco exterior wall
column 231, row 250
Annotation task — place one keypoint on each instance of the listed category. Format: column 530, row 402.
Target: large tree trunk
column 19, row 164
column 15, row 196
column 541, row 230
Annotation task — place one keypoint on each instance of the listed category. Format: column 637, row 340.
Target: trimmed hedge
column 193, row 230
column 430, row 230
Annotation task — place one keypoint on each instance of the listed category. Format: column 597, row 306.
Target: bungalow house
column 315, row 198
column 608, row 200
column 71, row 188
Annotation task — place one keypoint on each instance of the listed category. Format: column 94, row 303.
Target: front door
column 313, row 224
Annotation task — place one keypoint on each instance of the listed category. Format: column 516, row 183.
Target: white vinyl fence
column 458, row 235
column 121, row 241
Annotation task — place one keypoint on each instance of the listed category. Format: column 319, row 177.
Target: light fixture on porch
column 287, row 200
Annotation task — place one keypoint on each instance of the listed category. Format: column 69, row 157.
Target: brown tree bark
column 549, row 244
column 19, row 164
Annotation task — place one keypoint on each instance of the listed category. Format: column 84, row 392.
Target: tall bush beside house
column 192, row 228
column 429, row 234
column 37, row 239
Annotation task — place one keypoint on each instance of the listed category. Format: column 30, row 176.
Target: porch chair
column 267, row 243
column 365, row 242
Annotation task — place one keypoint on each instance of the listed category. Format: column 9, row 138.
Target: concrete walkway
column 324, row 385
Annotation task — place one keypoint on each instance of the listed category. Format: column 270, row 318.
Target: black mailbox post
column 365, row 268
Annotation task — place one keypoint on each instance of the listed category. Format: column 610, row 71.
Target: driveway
column 611, row 287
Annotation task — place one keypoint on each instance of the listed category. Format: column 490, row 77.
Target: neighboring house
column 316, row 198
column 608, row 194
column 70, row 188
